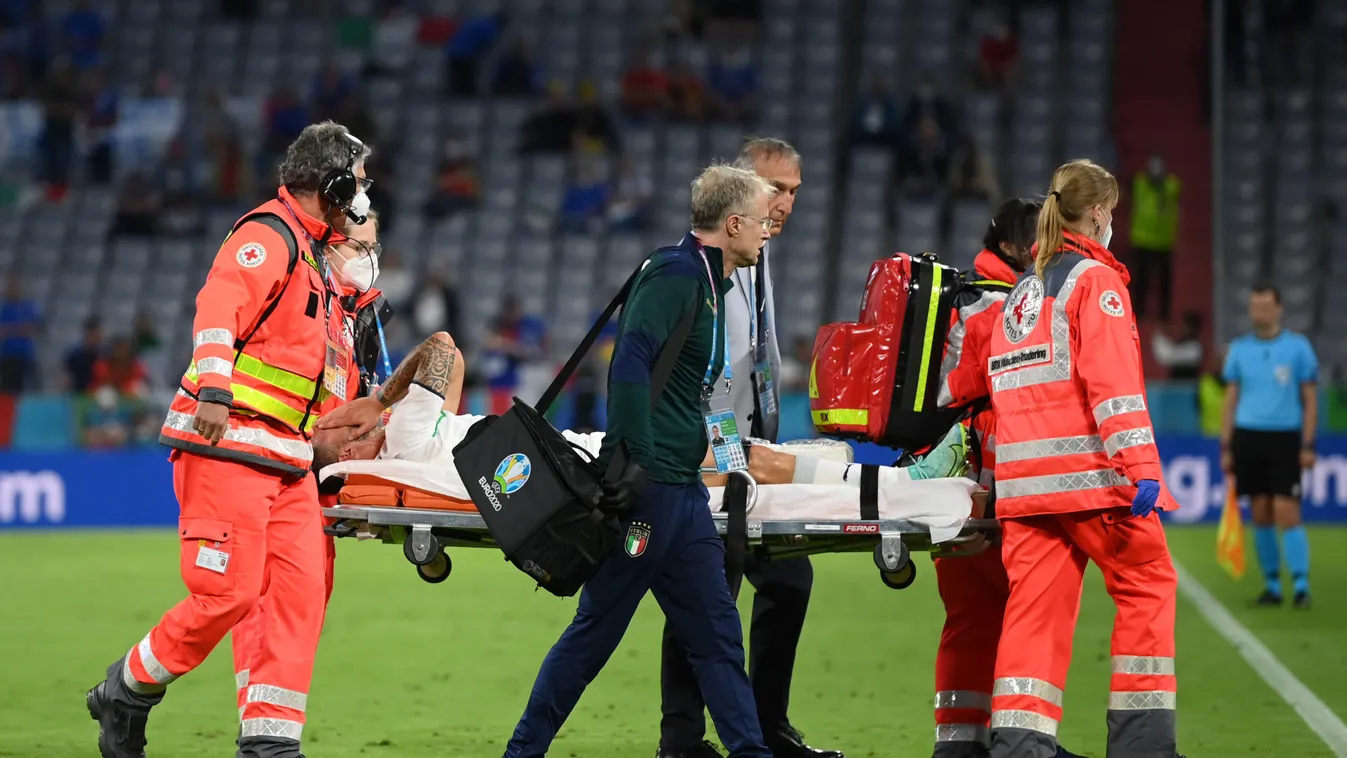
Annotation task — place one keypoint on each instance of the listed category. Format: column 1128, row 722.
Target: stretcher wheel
column 437, row 570
column 421, row 547
column 900, row 579
column 891, row 554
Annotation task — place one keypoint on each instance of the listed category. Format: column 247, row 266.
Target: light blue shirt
column 1269, row 374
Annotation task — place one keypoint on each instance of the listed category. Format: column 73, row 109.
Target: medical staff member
column 269, row 346
column 1267, row 437
column 672, row 546
column 1078, row 478
column 782, row 586
column 355, row 266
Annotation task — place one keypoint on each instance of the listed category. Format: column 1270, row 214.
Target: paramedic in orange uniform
column 355, row 265
column 269, row 348
column 1078, row 478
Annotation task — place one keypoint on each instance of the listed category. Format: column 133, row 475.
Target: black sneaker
column 1268, row 599
column 121, row 729
column 1302, row 601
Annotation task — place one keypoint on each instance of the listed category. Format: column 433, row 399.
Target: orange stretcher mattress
column 363, row 489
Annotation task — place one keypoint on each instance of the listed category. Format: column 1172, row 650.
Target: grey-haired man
column 782, row 586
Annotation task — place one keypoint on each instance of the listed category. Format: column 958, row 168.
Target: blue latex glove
column 1148, row 491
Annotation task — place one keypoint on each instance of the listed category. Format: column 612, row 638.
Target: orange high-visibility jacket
column 1062, row 364
column 261, row 342
column 997, row 278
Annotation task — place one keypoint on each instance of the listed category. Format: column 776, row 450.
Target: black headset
column 340, row 186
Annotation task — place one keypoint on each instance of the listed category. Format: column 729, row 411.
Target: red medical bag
column 877, row 379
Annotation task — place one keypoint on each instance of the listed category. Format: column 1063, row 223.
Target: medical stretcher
column 426, row 524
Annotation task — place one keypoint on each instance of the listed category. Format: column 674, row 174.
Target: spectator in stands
column 80, row 359
column 927, row 103
column 331, row 85
column 1180, row 347
column 549, row 128
column 971, row 175
column 592, row 121
column 456, row 188
column 395, row 280
column 998, row 57
column 645, row 87
column 1290, row 25
column 875, row 121
column 121, row 369
column 629, row 209
column 434, row 307
column 100, row 118
column 286, row 117
column 515, row 339
column 13, row 80
column 924, row 166
column 82, row 32
column 146, row 334
column 394, row 41
column 1211, row 395
column 586, row 200
column 179, row 184
column 61, row 105
column 29, row 41
column 138, row 207
column 103, row 420
column 468, row 47
column 20, row 322
column 1155, row 229
column 733, row 81
column 687, row 93
column 516, row 71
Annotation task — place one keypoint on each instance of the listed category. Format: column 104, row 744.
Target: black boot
column 121, row 714
column 268, row 747
column 789, row 743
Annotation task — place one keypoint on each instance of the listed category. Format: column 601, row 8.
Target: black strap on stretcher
column 869, row 493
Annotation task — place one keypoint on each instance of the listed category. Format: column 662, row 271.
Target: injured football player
column 424, row 427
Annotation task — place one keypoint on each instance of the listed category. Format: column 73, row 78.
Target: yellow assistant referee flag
column 1230, row 534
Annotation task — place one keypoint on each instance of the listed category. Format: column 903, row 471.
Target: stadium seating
column 849, row 212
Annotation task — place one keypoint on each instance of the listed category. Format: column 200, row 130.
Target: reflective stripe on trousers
column 963, row 700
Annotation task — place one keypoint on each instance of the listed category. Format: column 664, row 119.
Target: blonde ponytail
column 1076, row 187
column 1050, row 235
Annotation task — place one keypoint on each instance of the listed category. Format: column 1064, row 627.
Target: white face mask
column 1108, row 235
column 360, row 205
column 359, row 273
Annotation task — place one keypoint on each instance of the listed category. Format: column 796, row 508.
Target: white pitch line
column 1316, row 714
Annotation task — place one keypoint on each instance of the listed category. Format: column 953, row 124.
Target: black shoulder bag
column 544, row 519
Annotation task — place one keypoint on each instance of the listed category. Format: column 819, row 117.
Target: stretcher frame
column 426, row 534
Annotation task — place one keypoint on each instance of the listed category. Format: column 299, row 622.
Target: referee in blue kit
column 1267, row 438
column 672, row 548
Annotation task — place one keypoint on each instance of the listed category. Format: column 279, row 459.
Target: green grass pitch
column 414, row 670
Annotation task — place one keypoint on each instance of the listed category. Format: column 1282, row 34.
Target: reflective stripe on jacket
column 1063, row 368
column 274, row 382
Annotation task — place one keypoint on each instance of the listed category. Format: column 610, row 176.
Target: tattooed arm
column 436, row 365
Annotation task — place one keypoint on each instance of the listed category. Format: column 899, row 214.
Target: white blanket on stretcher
column 941, row 505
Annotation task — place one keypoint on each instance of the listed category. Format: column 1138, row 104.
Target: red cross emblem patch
column 1111, row 303
column 1022, row 309
column 251, row 255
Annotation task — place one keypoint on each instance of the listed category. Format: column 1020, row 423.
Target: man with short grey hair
column 782, row 586
column 240, row 425
column 671, row 546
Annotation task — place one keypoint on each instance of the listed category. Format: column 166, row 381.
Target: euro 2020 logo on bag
column 513, row 473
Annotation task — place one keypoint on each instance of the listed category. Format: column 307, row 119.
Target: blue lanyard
column 715, row 329
column 383, row 346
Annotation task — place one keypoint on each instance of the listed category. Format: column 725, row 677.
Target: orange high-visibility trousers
column 974, row 590
column 249, row 539
column 248, row 634
column 1045, row 558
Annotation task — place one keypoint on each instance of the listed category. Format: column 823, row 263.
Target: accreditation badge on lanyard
column 763, row 381
column 722, row 431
